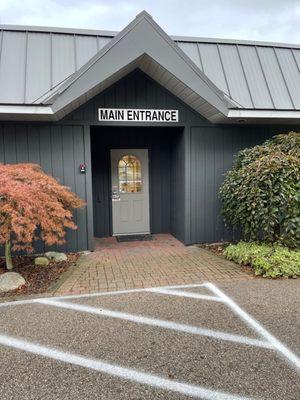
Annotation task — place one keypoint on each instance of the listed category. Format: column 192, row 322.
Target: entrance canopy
column 142, row 44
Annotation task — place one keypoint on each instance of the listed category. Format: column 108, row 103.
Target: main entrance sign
column 137, row 115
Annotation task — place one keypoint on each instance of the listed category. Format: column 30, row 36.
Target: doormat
column 134, row 238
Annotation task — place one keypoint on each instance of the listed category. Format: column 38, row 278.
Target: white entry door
column 130, row 191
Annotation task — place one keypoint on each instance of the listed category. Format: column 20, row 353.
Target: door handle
column 115, row 195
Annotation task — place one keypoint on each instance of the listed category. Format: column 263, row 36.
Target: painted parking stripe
column 139, row 319
column 99, row 294
column 250, row 321
column 280, row 347
column 129, row 374
column 182, row 293
column 256, row 326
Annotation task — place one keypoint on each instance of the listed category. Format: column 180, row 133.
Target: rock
column 11, row 281
column 41, row 261
column 85, row 252
column 56, row 256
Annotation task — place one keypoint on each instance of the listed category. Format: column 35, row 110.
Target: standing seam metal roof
column 256, row 75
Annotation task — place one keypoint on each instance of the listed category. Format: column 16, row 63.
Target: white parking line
column 139, row 319
column 98, row 294
column 251, row 322
column 182, row 293
column 272, row 342
column 257, row 327
column 133, row 375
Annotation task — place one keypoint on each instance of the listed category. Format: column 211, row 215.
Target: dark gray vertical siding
column 88, row 188
column 21, row 143
column 79, row 188
column 9, row 139
column 45, row 149
column 212, row 152
column 2, row 157
column 160, row 179
column 178, row 189
column 135, row 90
column 101, row 168
column 33, row 137
column 56, row 161
column 56, row 153
column 69, row 175
column 59, row 150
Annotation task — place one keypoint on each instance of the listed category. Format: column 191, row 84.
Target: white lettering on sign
column 137, row 115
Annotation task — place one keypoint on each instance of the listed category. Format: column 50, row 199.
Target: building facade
column 141, row 125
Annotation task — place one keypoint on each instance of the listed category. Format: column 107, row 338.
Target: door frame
column 110, row 178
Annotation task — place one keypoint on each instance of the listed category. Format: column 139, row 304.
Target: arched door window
column 130, row 175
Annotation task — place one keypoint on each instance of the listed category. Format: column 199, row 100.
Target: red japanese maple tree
column 33, row 205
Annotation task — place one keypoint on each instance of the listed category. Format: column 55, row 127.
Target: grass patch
column 267, row 260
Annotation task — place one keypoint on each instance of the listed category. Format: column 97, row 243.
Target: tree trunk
column 8, row 259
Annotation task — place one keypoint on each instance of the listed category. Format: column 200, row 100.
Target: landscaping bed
column 38, row 278
column 267, row 260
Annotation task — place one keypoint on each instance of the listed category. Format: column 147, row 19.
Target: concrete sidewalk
column 162, row 261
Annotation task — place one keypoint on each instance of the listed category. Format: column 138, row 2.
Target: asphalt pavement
column 234, row 340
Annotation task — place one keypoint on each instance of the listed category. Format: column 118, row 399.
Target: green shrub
column 261, row 193
column 267, row 260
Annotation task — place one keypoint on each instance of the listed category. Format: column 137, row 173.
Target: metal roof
column 155, row 53
column 255, row 75
column 111, row 34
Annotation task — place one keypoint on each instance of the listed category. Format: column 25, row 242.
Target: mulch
column 38, row 278
column 216, row 248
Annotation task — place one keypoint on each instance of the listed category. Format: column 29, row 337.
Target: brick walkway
column 160, row 262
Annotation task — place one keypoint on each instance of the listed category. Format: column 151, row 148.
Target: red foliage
column 33, row 205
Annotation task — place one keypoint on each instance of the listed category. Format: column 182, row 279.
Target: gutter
column 264, row 114
column 237, row 115
column 25, row 110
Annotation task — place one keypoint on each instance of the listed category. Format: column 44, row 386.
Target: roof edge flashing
column 42, row 113
column 25, row 109
column 263, row 114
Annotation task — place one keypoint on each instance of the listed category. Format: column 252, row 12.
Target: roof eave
column 18, row 112
column 234, row 116
column 265, row 117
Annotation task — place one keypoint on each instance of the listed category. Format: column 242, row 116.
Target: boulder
column 85, row 252
column 41, row 261
column 11, row 281
column 56, row 256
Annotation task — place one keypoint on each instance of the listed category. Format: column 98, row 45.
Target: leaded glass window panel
column 130, row 175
